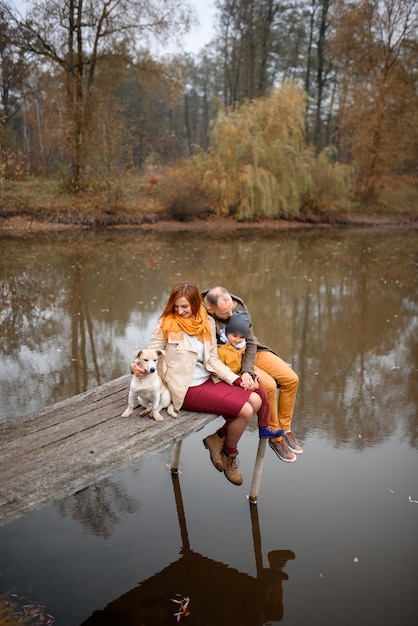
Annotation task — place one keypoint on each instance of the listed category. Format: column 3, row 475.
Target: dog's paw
column 171, row 411
column 157, row 417
column 127, row 413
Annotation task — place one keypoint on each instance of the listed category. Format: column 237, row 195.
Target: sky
column 199, row 35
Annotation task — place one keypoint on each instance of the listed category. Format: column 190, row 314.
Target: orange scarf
column 200, row 326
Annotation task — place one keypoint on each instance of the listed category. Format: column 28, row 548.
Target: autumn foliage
column 295, row 110
column 259, row 165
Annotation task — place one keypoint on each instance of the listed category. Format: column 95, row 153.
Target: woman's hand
column 137, row 370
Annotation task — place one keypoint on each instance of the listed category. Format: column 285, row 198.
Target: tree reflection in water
column 19, row 311
column 99, row 508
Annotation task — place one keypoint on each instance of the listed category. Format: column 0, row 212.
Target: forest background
column 301, row 110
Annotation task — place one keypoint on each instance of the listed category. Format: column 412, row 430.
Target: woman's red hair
column 187, row 290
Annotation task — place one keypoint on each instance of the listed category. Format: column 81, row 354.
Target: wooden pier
column 55, row 452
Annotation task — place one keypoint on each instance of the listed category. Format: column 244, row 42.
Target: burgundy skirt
column 220, row 398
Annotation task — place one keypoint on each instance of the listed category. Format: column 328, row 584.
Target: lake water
column 333, row 538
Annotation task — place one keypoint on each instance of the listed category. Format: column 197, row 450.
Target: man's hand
column 256, row 376
column 137, row 370
column 248, row 382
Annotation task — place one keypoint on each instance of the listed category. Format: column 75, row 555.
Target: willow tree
column 75, row 38
column 259, row 164
column 255, row 166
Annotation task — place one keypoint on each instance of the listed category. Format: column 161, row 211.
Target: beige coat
column 180, row 361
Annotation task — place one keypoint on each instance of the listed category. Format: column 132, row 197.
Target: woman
column 197, row 379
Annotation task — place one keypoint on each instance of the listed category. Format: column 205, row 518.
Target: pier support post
column 174, row 469
column 258, row 470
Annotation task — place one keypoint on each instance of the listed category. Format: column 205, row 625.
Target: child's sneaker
column 265, row 432
column 292, row 443
column 282, row 450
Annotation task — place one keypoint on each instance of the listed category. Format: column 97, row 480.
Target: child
column 231, row 347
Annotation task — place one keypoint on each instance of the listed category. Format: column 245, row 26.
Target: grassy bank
column 156, row 198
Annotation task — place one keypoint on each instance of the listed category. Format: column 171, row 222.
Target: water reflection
column 342, row 307
column 99, row 508
column 205, row 591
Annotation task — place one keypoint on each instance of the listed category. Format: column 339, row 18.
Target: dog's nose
column 152, row 370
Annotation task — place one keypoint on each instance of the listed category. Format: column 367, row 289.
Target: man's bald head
column 219, row 303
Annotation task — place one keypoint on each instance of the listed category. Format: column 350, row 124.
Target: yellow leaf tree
column 375, row 48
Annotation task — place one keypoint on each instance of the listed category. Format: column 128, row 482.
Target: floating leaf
column 184, row 603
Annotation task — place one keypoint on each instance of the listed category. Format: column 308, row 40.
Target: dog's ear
column 160, row 352
column 137, row 353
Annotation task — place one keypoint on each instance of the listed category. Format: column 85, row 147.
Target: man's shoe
column 231, row 468
column 282, row 450
column 215, row 444
column 292, row 443
column 265, row 432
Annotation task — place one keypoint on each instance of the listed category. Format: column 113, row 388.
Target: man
column 272, row 370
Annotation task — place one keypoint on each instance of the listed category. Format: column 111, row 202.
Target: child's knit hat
column 238, row 324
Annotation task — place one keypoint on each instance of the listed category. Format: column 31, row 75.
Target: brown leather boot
column 215, row 444
column 231, row 468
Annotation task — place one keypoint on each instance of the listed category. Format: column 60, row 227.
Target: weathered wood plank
column 55, row 452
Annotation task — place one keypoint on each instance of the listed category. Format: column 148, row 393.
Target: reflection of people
column 196, row 377
column 228, row 596
column 221, row 305
column 231, row 347
column 272, row 579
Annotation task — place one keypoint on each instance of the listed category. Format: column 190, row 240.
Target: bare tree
column 74, row 39
column 13, row 71
column 264, row 42
column 249, row 32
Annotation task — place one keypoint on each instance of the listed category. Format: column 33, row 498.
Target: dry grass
column 190, row 192
column 127, row 199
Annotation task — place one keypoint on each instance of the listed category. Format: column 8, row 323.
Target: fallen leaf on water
column 355, row 559
column 184, row 603
column 414, row 501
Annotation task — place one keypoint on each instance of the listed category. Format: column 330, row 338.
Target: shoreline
column 17, row 225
